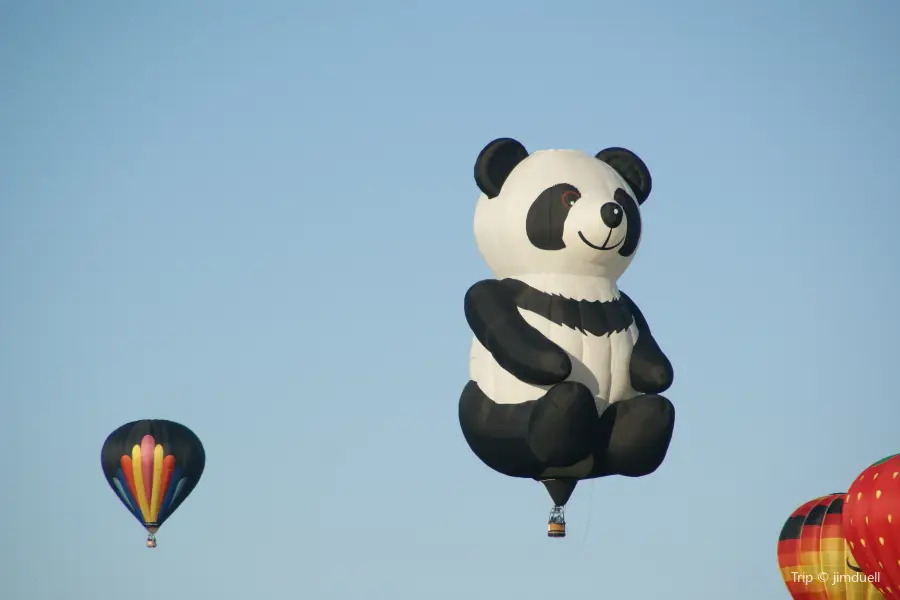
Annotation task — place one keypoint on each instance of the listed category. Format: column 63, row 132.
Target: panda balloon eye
column 569, row 198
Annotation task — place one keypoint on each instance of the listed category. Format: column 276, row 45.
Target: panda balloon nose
column 611, row 213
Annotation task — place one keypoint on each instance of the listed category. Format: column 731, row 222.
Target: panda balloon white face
column 601, row 229
column 559, row 211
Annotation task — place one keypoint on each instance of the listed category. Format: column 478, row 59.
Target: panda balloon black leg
column 636, row 434
column 563, row 424
column 523, row 440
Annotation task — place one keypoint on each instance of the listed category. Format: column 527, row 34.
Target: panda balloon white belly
column 601, row 363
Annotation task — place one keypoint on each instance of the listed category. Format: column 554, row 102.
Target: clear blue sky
column 256, row 219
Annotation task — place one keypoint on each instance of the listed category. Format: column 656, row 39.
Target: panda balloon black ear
column 495, row 162
column 631, row 168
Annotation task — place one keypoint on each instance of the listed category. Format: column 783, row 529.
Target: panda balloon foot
column 638, row 432
column 523, row 440
column 563, row 425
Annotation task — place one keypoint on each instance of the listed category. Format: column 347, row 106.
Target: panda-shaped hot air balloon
column 566, row 378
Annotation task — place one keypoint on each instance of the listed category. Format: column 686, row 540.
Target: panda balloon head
column 559, row 211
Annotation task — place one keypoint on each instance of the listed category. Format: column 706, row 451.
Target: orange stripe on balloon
column 833, row 532
column 168, row 469
column 147, row 446
column 128, row 472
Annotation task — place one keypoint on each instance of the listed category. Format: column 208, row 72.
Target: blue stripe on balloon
column 178, row 489
column 122, row 495
column 170, row 495
column 129, row 500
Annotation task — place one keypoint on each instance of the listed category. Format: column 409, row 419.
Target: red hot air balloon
column 872, row 524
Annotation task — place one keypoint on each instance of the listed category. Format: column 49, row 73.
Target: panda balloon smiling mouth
column 611, row 215
column 604, row 247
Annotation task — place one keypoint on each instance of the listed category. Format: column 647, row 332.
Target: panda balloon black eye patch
column 546, row 218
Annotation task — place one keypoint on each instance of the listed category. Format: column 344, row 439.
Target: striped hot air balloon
column 815, row 560
column 152, row 466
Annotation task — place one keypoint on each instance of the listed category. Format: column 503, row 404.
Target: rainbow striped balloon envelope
column 815, row 560
column 152, row 466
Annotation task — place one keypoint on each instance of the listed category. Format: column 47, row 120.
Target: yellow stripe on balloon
column 139, row 482
column 155, row 499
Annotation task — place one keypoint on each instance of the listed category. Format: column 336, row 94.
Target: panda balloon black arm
column 518, row 347
column 651, row 371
